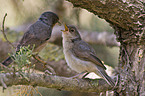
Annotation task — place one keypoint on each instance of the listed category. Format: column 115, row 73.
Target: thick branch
column 61, row 83
column 126, row 14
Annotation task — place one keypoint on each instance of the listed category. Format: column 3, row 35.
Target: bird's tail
column 107, row 78
column 8, row 61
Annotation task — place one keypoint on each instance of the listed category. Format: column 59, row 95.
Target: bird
column 37, row 34
column 80, row 56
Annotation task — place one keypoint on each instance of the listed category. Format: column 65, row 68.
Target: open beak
column 66, row 28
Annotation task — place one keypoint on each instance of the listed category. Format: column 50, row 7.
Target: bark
column 127, row 14
column 131, row 69
column 49, row 81
column 127, row 18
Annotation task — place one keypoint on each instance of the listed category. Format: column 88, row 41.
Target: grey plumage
column 81, row 57
column 37, row 34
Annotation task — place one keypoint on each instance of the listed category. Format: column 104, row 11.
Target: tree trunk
column 131, row 69
column 131, row 65
column 127, row 18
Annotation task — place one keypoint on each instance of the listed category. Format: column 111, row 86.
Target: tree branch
column 125, row 14
column 57, row 82
column 3, row 31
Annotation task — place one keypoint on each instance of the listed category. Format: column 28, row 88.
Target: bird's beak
column 66, row 28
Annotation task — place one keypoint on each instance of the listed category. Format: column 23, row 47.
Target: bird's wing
column 85, row 52
column 27, row 39
column 36, row 35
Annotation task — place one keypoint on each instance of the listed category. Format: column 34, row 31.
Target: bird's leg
column 85, row 74
column 116, row 92
column 51, row 69
column 116, row 83
column 45, row 65
column 48, row 72
column 80, row 75
column 38, row 58
column 3, row 67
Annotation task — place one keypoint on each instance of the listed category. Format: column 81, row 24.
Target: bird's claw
column 80, row 75
column 48, row 72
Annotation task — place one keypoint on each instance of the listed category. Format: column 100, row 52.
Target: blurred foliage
column 21, row 12
column 89, row 21
column 9, row 91
column 53, row 52
column 12, row 35
column 107, row 54
column 27, row 91
column 54, row 92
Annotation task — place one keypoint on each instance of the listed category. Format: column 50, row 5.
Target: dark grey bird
column 37, row 34
column 81, row 57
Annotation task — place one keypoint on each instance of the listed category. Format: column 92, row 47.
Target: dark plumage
column 37, row 34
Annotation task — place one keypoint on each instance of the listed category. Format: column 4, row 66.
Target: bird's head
column 71, row 33
column 49, row 18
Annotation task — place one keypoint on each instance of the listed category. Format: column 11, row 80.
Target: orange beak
column 66, row 28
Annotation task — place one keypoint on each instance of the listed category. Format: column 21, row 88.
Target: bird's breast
column 77, row 64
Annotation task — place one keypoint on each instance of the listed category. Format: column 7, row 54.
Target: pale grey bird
column 37, row 34
column 81, row 57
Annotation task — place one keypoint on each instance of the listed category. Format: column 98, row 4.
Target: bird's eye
column 72, row 30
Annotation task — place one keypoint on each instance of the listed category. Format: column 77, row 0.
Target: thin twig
column 6, row 68
column 3, row 83
column 3, row 31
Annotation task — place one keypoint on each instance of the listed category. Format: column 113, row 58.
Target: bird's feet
column 45, row 65
column 116, row 83
column 48, row 72
column 80, row 75
column 38, row 58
